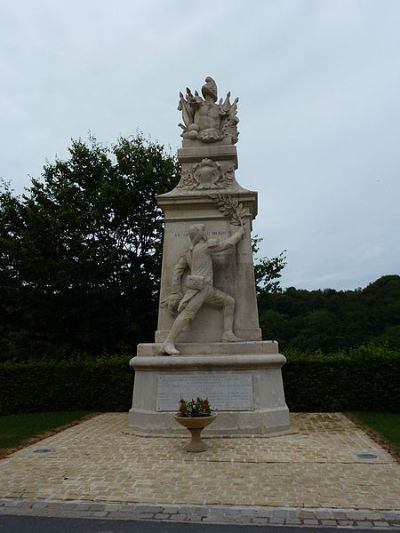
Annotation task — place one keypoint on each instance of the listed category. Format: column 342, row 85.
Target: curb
column 211, row 514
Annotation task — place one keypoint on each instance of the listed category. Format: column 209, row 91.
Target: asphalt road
column 36, row 524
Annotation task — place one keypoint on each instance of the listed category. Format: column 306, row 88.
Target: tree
column 332, row 320
column 267, row 272
column 80, row 251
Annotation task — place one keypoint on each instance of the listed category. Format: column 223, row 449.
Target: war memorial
column 208, row 341
column 320, row 471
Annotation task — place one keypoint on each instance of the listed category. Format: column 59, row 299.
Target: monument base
column 242, row 380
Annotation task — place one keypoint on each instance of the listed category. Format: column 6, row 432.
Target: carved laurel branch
column 231, row 208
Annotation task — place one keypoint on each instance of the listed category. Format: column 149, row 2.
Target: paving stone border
column 214, row 514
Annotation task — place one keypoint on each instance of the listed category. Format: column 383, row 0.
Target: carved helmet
column 210, row 89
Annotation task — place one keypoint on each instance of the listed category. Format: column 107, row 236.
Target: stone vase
column 195, row 425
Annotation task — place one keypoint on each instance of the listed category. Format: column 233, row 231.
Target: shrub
column 100, row 384
column 365, row 379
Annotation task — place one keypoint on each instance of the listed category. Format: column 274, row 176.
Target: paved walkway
column 312, row 476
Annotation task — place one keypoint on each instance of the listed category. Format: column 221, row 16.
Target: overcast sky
column 319, row 109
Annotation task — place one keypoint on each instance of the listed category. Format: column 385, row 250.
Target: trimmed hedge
column 319, row 385
column 101, row 384
column 366, row 379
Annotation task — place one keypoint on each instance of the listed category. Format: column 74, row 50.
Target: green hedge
column 367, row 379
column 322, row 384
column 101, row 384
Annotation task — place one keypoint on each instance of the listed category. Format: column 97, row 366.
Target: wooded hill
column 330, row 320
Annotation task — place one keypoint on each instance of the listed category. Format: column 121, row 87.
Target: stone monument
column 208, row 341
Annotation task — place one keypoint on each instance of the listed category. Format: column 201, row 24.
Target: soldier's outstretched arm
column 226, row 244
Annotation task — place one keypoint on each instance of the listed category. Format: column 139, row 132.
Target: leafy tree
column 80, row 251
column 80, row 261
column 268, row 271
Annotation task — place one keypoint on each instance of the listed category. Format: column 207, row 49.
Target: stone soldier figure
column 200, row 290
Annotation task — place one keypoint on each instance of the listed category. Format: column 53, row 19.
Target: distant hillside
column 329, row 320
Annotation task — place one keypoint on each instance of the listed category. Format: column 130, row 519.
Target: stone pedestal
column 242, row 381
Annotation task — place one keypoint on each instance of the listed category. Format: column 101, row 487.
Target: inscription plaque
column 226, row 392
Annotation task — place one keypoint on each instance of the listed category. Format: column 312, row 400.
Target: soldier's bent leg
column 221, row 299
column 181, row 322
column 229, row 311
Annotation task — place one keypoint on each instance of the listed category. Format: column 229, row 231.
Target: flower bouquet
column 194, row 408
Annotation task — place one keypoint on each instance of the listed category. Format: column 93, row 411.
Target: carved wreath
column 207, row 174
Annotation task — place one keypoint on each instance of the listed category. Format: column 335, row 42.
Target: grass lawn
column 386, row 424
column 14, row 429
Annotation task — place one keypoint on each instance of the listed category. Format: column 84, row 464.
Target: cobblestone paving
column 314, row 467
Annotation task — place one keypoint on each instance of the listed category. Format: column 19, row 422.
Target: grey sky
column 319, row 109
